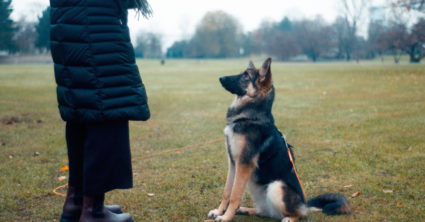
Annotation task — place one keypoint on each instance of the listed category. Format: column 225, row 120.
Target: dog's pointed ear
column 265, row 72
column 251, row 65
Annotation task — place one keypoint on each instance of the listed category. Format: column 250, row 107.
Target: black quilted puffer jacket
column 95, row 71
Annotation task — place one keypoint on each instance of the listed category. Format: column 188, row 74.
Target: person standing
column 99, row 89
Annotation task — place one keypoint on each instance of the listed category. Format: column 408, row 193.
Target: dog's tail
column 330, row 204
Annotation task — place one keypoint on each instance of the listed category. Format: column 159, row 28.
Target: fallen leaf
column 356, row 194
column 64, row 168
column 61, row 178
column 346, row 137
column 36, row 154
column 387, row 191
column 10, row 156
column 151, row 194
column 348, row 186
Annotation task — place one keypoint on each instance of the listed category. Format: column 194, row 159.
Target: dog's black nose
column 221, row 79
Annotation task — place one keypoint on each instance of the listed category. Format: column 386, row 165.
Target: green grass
column 362, row 125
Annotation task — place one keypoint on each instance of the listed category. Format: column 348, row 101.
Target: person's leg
column 107, row 166
column 74, row 135
column 107, row 158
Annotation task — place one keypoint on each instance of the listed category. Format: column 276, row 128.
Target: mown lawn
column 355, row 128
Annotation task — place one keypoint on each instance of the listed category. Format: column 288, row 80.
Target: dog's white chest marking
column 233, row 141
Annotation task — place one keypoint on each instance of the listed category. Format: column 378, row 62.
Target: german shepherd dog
column 260, row 158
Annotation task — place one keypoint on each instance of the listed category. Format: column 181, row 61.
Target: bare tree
column 148, row 45
column 340, row 36
column 260, row 39
column 218, row 35
column 283, row 45
column 313, row 36
column 416, row 43
column 353, row 13
column 404, row 12
column 376, row 32
column 396, row 41
column 25, row 36
column 417, row 5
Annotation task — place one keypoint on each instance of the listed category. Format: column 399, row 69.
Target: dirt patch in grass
column 25, row 118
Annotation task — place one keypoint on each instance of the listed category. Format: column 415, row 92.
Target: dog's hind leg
column 284, row 203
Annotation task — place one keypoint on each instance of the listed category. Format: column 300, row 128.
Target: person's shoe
column 74, row 203
column 116, row 209
column 95, row 211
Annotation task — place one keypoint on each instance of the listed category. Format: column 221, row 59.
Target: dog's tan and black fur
column 260, row 158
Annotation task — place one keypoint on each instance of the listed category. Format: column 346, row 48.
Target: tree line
column 220, row 35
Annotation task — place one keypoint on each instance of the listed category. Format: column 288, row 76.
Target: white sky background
column 177, row 19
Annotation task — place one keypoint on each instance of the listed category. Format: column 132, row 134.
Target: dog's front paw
column 287, row 219
column 222, row 218
column 213, row 214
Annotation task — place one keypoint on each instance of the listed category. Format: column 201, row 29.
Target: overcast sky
column 177, row 19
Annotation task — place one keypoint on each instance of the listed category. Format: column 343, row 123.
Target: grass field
column 355, row 128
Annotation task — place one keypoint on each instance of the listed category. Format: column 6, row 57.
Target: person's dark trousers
column 99, row 157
